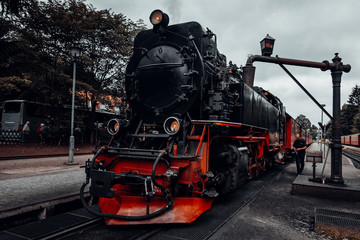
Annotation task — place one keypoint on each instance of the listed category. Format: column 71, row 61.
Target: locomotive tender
column 196, row 130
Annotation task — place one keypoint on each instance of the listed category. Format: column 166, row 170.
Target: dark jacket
column 300, row 143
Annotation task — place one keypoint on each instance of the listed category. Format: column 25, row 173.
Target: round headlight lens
column 113, row 126
column 156, row 17
column 172, row 125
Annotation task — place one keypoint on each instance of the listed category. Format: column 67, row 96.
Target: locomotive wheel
column 233, row 179
column 243, row 169
column 228, row 184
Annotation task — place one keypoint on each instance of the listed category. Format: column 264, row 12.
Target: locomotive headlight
column 172, row 125
column 158, row 18
column 113, row 126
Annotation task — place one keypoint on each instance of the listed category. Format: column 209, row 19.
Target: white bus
column 17, row 112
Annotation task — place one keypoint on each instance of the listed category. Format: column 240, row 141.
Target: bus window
column 12, row 107
column 33, row 110
column 37, row 110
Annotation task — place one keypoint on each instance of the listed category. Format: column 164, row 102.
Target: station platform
column 38, row 184
column 350, row 190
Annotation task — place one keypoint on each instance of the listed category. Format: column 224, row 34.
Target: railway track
column 55, row 227
column 203, row 228
column 61, row 233
column 355, row 157
column 80, row 224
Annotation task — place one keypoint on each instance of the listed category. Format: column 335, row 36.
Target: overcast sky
column 305, row 30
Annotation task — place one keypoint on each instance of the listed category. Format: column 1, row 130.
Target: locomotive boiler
column 195, row 130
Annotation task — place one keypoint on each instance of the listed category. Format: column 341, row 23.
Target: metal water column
column 336, row 147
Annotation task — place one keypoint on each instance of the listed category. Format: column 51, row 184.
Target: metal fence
column 15, row 136
column 50, row 138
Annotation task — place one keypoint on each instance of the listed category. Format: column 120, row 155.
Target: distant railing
column 16, row 136
column 50, row 138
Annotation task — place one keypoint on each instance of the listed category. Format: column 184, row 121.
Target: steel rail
column 72, row 229
column 353, row 156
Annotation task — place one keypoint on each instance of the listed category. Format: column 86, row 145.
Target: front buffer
column 145, row 187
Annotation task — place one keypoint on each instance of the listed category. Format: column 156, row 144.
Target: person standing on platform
column 299, row 146
column 26, row 132
column 26, row 128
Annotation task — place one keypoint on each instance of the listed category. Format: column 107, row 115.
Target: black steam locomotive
column 195, row 130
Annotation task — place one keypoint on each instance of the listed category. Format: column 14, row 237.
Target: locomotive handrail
column 134, row 153
column 225, row 123
column 155, row 65
column 150, row 135
column 135, row 149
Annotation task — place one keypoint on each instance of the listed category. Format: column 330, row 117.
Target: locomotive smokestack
column 249, row 74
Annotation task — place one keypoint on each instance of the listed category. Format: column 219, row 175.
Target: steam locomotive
column 195, row 131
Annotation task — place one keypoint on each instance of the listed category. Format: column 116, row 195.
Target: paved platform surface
column 349, row 190
column 278, row 214
column 29, row 181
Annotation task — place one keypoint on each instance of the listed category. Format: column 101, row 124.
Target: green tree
column 12, row 51
column 13, row 6
column 354, row 97
column 356, row 123
column 34, row 50
column 350, row 113
column 329, row 129
column 347, row 116
column 303, row 121
column 313, row 131
column 13, row 87
column 41, row 41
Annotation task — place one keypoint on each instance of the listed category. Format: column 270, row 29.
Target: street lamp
column 75, row 52
column 267, row 45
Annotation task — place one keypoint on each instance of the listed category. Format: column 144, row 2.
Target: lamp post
column 267, row 45
column 75, row 52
